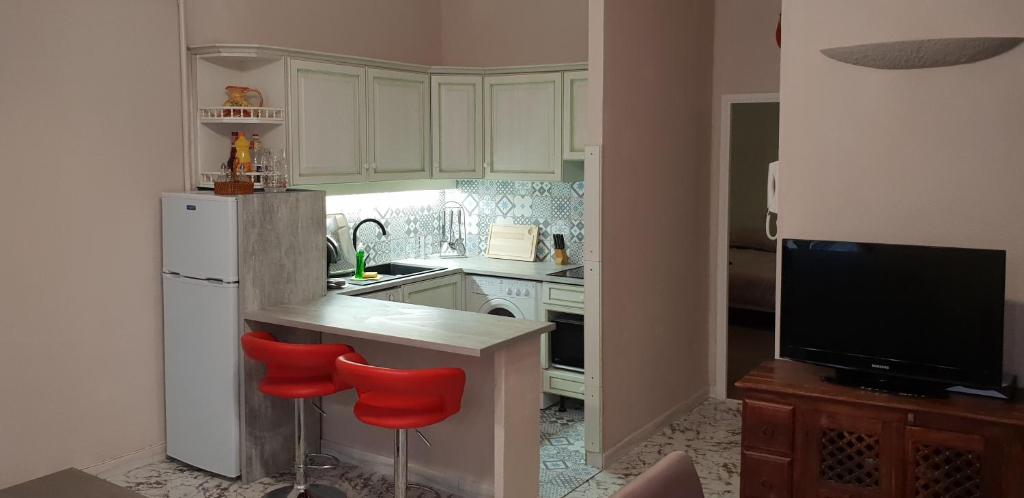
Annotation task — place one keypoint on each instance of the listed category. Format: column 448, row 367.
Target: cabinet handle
column 366, row 166
column 373, row 166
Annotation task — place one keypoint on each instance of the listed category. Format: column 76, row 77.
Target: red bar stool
column 401, row 400
column 298, row 372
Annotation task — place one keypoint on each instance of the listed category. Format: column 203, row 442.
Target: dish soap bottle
column 360, row 264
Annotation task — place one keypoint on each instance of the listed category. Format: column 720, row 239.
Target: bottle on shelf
column 230, row 166
column 242, row 156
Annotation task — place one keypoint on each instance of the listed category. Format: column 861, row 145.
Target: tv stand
column 804, row 437
column 887, row 384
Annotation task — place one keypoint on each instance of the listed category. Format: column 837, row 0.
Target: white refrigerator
column 201, row 330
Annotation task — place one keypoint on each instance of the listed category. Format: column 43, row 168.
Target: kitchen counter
column 482, row 265
column 422, row 327
column 474, row 265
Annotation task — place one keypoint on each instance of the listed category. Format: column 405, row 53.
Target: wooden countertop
column 436, row 329
column 801, row 379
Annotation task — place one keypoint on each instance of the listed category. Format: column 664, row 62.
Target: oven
column 565, row 343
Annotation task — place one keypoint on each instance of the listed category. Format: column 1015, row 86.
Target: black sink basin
column 388, row 271
column 400, row 270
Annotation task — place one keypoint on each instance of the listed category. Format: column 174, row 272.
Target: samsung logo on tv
column 883, row 367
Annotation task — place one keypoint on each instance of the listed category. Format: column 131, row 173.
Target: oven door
column 565, row 343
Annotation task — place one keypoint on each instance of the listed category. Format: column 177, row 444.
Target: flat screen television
column 894, row 317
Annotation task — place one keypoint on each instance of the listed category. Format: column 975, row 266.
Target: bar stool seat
column 298, row 372
column 412, row 411
column 401, row 400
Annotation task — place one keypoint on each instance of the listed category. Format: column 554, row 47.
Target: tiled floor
column 563, row 454
column 170, row 479
column 710, row 434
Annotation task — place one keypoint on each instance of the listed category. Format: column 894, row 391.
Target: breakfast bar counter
column 490, row 448
column 423, row 327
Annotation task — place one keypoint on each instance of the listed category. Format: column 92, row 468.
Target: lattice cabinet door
column 943, row 464
column 847, row 455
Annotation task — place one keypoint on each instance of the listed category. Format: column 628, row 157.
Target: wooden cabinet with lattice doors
column 852, row 443
column 943, row 464
column 847, row 453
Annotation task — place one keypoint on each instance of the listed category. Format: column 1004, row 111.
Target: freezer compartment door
column 201, row 373
column 200, row 236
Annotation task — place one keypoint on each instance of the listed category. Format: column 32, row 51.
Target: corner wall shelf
column 249, row 115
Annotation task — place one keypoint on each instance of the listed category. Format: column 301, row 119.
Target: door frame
column 719, row 288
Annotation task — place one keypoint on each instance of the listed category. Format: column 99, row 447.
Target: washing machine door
column 501, row 307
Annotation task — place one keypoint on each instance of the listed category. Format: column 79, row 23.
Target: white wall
column 432, row 32
column 90, row 101
column 657, row 95
column 927, row 156
column 519, row 33
column 399, row 30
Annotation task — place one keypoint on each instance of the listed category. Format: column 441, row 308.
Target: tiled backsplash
column 555, row 207
column 413, row 218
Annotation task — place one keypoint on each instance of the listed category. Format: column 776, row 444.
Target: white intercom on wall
column 773, row 199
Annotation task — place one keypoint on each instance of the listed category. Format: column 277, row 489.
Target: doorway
column 745, row 249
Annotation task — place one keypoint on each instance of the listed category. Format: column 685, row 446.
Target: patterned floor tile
column 710, row 434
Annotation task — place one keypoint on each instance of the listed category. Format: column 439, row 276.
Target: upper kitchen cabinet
column 457, row 124
column 398, row 106
column 574, row 114
column 523, row 127
column 328, row 123
column 260, row 80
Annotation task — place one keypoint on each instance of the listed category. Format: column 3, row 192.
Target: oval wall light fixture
column 919, row 54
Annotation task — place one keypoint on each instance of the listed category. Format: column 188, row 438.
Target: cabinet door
column 457, row 126
column 523, row 127
column 394, row 295
column 398, row 125
column 574, row 115
column 443, row 292
column 943, row 464
column 328, row 132
column 847, row 453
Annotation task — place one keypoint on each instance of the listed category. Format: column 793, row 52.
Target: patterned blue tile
column 414, row 229
column 505, row 205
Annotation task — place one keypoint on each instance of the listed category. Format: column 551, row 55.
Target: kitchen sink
column 400, row 270
column 388, row 271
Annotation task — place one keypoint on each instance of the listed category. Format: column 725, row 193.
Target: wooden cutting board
column 518, row 242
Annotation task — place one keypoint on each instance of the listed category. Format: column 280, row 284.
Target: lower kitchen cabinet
column 563, row 383
column 442, row 292
column 393, row 295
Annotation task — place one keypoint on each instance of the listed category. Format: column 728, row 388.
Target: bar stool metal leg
column 300, row 488
column 401, row 463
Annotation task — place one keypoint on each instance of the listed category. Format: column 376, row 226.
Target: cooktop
column 576, row 272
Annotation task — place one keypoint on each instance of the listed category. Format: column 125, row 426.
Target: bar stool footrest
column 321, row 461
column 425, row 488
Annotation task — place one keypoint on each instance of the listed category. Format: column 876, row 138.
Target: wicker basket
column 232, row 187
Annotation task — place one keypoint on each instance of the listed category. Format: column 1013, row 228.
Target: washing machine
column 503, row 296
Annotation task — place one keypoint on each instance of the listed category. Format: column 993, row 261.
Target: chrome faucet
column 355, row 231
